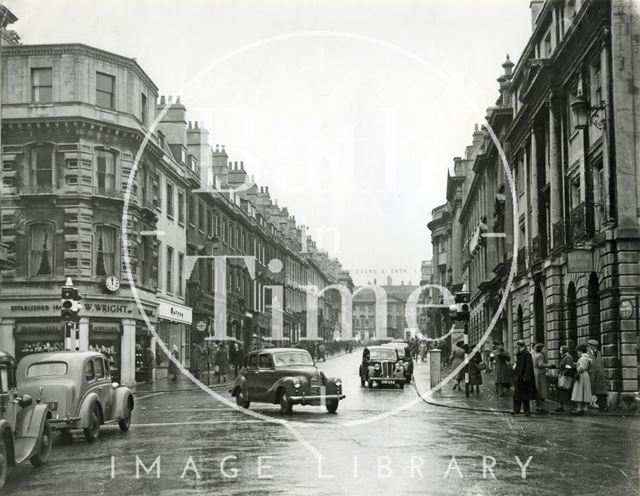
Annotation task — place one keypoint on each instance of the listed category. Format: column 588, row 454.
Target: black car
column 381, row 365
column 404, row 354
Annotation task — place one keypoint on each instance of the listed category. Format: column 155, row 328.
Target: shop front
column 174, row 329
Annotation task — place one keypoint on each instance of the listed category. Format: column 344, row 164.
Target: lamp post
column 584, row 113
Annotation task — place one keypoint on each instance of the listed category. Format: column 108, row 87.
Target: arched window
column 105, row 251
column 41, row 256
column 572, row 317
column 594, row 307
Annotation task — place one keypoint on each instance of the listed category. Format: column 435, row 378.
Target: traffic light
column 460, row 311
column 70, row 304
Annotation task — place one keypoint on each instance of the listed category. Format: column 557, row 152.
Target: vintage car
column 404, row 354
column 77, row 388
column 381, row 365
column 25, row 433
column 285, row 376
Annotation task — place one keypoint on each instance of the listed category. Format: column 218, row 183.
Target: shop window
column 42, row 85
column 41, row 256
column 105, row 90
column 105, row 171
column 105, row 250
column 42, row 167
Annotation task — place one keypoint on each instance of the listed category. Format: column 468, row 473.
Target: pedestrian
column 565, row 378
column 321, row 351
column 221, row 363
column 540, row 367
column 523, row 380
column 195, row 360
column 581, row 392
column 238, row 358
column 423, row 350
column 596, row 375
column 149, row 360
column 501, row 372
column 456, row 359
column 475, row 371
column 173, row 368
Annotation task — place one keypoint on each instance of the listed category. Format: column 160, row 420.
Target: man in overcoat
column 523, row 380
column 596, row 375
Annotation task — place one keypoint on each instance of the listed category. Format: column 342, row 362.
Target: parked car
column 25, row 433
column 381, row 365
column 285, row 376
column 77, row 388
column 404, row 354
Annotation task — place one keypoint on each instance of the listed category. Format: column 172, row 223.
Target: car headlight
column 376, row 366
column 296, row 384
column 338, row 382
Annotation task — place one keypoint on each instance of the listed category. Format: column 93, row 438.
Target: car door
column 250, row 375
column 103, row 387
column 265, row 376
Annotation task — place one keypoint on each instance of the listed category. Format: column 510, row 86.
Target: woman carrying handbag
column 565, row 378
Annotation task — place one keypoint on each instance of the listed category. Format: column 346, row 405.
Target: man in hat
column 596, row 374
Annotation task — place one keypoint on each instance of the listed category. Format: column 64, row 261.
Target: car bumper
column 314, row 399
column 387, row 380
column 64, row 423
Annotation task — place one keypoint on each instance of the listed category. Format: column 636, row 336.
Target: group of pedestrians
column 219, row 358
column 474, row 367
column 581, row 382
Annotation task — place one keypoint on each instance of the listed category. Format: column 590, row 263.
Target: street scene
column 301, row 248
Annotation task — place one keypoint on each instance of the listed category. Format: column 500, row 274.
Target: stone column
column 606, row 146
column 7, row 335
column 128, row 347
column 555, row 179
column 84, row 334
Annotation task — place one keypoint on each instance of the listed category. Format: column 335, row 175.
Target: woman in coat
column 457, row 357
column 502, row 375
column 475, row 374
column 597, row 375
column 173, row 368
column 581, row 393
column 221, row 362
column 523, row 380
column 540, row 367
column 566, row 365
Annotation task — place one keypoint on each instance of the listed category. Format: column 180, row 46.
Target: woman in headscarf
column 566, row 368
column 457, row 357
column 581, row 393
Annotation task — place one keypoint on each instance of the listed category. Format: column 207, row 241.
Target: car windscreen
column 47, row 369
column 383, row 355
column 292, row 358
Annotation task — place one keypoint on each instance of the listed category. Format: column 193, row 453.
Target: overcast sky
column 350, row 111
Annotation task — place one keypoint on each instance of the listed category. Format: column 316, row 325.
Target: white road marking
column 202, row 422
column 148, row 395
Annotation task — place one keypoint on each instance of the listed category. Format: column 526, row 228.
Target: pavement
column 487, row 400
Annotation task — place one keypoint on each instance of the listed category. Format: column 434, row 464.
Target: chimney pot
column 223, row 149
column 241, row 165
column 177, row 100
column 195, row 125
column 189, row 124
column 162, row 100
column 217, row 148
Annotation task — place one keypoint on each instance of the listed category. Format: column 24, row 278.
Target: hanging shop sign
column 174, row 312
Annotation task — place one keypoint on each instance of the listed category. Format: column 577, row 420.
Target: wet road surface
column 200, row 445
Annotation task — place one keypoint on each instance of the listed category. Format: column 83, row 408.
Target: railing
column 579, row 227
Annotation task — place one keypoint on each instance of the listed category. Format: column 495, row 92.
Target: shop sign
column 109, row 309
column 174, row 312
column 105, row 327
column 37, row 327
column 626, row 309
column 579, row 261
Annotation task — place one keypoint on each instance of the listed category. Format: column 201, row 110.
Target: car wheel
column 4, row 462
column 43, row 451
column 286, row 406
column 240, row 401
column 332, row 406
column 92, row 432
column 125, row 423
